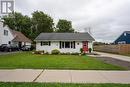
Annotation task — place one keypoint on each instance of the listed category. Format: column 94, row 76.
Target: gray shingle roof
column 64, row 36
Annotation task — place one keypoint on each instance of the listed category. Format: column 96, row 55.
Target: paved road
column 65, row 76
column 120, row 57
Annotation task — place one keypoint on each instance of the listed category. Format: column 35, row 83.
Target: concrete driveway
column 5, row 53
column 120, row 57
column 65, row 76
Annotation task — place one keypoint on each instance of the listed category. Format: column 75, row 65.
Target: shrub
column 81, row 50
column 55, row 51
column 47, row 53
column 90, row 50
column 74, row 53
column 83, row 54
column 39, row 52
column 32, row 47
column 63, row 53
column 68, row 53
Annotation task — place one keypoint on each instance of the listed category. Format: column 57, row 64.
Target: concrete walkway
column 120, row 57
column 65, row 76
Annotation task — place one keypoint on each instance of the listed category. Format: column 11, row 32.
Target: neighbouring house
column 124, row 38
column 12, row 37
column 64, row 42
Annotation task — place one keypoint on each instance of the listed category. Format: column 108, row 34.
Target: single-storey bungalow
column 124, row 38
column 64, row 42
column 12, row 37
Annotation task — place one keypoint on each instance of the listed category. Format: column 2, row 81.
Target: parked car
column 2, row 47
column 8, row 48
column 26, row 48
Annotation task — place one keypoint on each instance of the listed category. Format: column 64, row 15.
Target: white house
column 64, row 42
column 8, row 36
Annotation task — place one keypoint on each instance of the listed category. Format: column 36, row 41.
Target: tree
column 64, row 26
column 31, row 27
column 13, row 20
column 41, row 22
column 17, row 21
column 38, row 23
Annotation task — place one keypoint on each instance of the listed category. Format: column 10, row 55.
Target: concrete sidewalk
column 65, row 76
column 120, row 57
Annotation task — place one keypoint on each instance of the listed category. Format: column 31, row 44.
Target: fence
column 119, row 49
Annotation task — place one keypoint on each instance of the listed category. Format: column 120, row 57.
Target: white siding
column 90, row 45
column 5, row 39
column 55, row 45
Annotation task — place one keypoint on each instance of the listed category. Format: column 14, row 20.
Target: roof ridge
column 64, row 36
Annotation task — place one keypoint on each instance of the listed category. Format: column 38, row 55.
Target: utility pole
column 88, row 29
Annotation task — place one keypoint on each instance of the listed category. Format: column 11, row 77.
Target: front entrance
column 85, row 46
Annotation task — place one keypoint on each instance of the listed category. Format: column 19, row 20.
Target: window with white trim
column 45, row 43
column 6, row 32
column 67, row 44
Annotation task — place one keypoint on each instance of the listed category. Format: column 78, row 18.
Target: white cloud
column 107, row 18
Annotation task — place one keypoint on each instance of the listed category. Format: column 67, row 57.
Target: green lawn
column 28, row 60
column 60, row 85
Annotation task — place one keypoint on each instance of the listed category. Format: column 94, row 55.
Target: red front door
column 85, row 46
